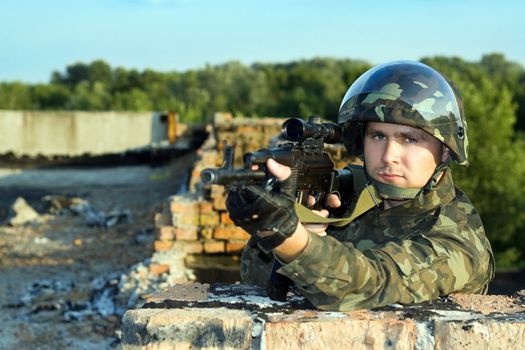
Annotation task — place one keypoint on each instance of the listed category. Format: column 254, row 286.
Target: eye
column 409, row 139
column 377, row 136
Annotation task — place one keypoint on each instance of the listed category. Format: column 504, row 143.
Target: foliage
column 493, row 91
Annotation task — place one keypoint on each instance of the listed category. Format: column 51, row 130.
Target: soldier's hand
column 318, row 229
column 332, row 201
column 282, row 172
column 267, row 214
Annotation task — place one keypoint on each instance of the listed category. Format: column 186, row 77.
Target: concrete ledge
column 187, row 329
column 238, row 316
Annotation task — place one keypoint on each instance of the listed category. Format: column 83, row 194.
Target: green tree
column 96, row 71
column 50, row 96
column 511, row 75
column 15, row 95
column 74, row 75
column 134, row 100
column 311, row 86
column 89, row 97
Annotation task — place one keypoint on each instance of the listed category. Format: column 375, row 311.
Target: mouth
column 389, row 177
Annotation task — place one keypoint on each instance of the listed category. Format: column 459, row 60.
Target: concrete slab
column 266, row 324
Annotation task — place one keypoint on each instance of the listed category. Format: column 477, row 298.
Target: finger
column 318, row 229
column 281, row 172
column 333, row 201
column 311, row 200
column 323, row 212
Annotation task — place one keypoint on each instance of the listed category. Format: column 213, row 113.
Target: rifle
column 312, row 168
column 312, row 173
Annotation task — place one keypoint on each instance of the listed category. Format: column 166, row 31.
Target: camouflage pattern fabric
column 431, row 246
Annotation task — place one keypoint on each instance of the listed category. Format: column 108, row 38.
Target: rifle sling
column 368, row 198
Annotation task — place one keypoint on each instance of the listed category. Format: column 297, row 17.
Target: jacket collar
column 441, row 194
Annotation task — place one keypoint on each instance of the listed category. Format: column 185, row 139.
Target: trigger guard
column 269, row 184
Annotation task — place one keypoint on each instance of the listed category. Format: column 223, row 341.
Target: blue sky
column 38, row 37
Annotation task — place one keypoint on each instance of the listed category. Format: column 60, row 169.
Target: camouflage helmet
column 408, row 93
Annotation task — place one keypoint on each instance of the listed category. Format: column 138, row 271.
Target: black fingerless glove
column 257, row 210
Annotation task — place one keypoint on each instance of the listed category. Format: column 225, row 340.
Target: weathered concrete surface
column 324, row 330
column 28, row 133
column 218, row 328
column 483, row 334
column 242, row 317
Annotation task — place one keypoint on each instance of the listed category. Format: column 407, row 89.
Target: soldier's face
column 400, row 155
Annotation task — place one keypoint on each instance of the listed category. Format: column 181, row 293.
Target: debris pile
column 63, row 205
column 21, row 213
column 105, row 297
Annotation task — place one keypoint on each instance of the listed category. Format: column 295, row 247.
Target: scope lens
column 293, row 129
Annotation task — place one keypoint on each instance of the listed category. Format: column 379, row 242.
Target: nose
column 391, row 152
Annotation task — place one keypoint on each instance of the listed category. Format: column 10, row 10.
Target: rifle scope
column 295, row 129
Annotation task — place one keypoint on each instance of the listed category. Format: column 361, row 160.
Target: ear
column 445, row 154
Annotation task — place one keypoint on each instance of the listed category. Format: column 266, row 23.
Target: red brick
column 206, row 232
column 188, row 233
column 248, row 130
column 161, row 219
column 225, row 218
column 230, row 233
column 206, row 207
column 195, row 174
column 158, row 269
column 184, row 219
column 209, row 219
column 166, row 233
column 234, row 247
column 212, row 246
column 217, row 191
column 190, row 247
column 162, row 246
column 219, row 203
column 177, row 206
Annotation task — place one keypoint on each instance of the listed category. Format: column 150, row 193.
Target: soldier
column 420, row 239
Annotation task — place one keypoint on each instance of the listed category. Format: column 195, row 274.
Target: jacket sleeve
column 334, row 275
column 256, row 266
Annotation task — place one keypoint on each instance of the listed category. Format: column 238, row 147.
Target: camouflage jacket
column 432, row 246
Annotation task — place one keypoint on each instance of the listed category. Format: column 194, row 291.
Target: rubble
column 22, row 213
column 60, row 204
column 66, row 284
column 487, row 304
column 106, row 296
column 64, row 205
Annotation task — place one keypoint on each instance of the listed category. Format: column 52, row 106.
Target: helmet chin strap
column 390, row 192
